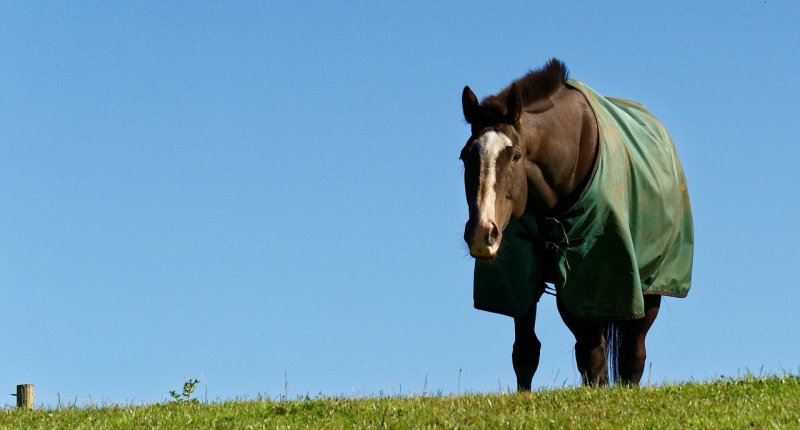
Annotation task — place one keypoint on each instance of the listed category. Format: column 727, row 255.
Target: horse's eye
column 517, row 156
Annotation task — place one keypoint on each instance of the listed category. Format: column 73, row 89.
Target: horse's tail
column 613, row 331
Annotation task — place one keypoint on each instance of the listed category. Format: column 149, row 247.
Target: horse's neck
column 562, row 152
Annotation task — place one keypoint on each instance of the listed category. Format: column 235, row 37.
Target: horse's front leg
column 525, row 355
column 589, row 347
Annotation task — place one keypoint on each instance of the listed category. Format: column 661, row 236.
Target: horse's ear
column 514, row 104
column 470, row 105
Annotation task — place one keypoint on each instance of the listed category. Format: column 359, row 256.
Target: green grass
column 738, row 403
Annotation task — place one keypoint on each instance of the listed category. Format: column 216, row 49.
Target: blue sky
column 267, row 195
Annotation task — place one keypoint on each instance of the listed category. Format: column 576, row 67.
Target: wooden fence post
column 25, row 396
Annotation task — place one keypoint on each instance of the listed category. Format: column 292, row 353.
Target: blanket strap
column 559, row 246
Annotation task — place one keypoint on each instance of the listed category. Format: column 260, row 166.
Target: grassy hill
column 738, row 403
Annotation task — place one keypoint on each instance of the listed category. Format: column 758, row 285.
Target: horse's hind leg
column 589, row 347
column 525, row 355
column 632, row 352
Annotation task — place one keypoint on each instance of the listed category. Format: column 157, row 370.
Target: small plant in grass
column 185, row 396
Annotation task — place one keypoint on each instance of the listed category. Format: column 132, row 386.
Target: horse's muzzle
column 483, row 239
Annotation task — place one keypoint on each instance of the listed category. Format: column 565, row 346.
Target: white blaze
column 490, row 145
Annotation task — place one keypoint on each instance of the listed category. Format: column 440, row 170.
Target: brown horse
column 533, row 150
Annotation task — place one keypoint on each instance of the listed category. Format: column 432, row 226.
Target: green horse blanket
column 629, row 234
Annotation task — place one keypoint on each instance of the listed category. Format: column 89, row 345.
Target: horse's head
column 494, row 170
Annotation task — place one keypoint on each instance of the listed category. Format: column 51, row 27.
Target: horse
column 559, row 193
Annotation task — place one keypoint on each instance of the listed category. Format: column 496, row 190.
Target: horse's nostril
column 469, row 232
column 492, row 235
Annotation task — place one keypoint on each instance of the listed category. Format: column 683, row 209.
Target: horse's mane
column 534, row 86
